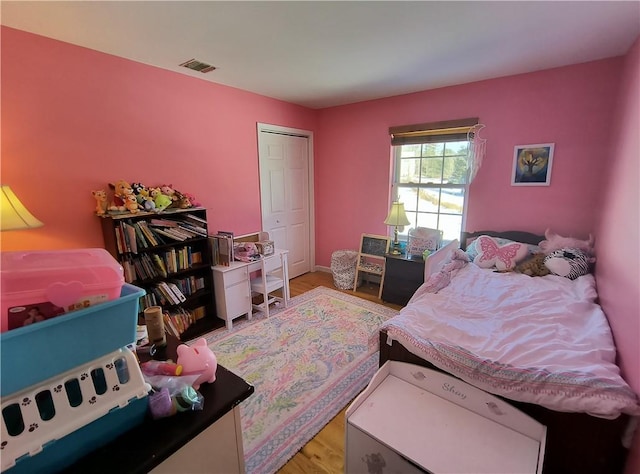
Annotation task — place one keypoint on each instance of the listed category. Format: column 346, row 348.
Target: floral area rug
column 306, row 362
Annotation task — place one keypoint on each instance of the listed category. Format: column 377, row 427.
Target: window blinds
column 433, row 132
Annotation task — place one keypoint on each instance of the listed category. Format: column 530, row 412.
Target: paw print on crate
column 70, row 404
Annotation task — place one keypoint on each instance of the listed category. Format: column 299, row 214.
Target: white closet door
column 285, row 195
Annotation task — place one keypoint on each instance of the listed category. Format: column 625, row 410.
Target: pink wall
column 81, row 119
column 618, row 267
column 570, row 106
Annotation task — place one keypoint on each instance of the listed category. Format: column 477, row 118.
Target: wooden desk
column 232, row 286
column 161, row 445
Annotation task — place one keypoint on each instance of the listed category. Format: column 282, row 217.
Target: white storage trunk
column 413, row 419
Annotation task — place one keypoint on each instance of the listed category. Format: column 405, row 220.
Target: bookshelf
column 168, row 255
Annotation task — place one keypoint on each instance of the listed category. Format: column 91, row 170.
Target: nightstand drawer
column 402, row 278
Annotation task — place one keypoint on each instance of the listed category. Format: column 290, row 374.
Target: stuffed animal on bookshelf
column 101, row 201
column 198, row 359
column 192, row 199
column 131, row 203
column 142, row 195
column 167, row 190
column 160, row 200
column 121, row 189
column 182, row 202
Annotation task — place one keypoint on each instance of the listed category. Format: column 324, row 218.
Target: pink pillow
column 505, row 257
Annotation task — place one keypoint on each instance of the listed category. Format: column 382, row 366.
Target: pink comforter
column 541, row 340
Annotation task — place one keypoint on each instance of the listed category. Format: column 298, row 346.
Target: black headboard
column 516, row 235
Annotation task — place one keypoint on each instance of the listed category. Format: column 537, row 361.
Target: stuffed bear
column 121, row 189
column 131, row 203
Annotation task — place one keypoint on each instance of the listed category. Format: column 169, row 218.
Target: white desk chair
column 273, row 276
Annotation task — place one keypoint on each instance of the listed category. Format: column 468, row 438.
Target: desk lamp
column 397, row 217
column 13, row 214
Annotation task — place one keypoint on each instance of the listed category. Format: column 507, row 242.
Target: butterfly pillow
column 502, row 257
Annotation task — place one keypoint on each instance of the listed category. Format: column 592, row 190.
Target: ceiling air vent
column 198, row 65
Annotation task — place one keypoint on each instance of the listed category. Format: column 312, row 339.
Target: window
column 431, row 174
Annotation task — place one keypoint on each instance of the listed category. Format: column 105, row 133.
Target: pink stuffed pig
column 198, row 359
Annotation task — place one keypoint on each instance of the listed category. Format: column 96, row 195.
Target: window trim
column 395, row 185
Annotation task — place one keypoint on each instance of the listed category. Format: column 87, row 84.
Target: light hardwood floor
column 324, row 454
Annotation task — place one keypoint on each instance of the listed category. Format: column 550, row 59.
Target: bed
column 541, row 343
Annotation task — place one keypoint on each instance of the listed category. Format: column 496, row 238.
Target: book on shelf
column 178, row 321
column 140, row 238
column 159, row 264
column 196, row 220
column 176, row 291
column 163, row 223
column 169, row 326
column 171, row 235
column 149, row 235
column 128, row 238
column 199, row 231
column 166, row 293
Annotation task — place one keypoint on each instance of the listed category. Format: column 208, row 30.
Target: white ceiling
column 320, row 53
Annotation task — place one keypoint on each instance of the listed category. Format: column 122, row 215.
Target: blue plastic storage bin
column 31, row 354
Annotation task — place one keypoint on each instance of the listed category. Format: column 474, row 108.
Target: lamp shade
column 397, row 215
column 14, row 215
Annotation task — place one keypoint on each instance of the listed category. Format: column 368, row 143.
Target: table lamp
column 13, row 214
column 397, row 217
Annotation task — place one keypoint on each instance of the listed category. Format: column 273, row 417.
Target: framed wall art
column 532, row 165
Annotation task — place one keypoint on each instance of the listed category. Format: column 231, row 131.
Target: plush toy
column 121, row 189
column 198, row 359
column 131, row 203
column 167, row 190
column 182, row 202
column 533, row 266
column 192, row 199
column 101, row 201
column 142, row 195
column 555, row 242
column 568, row 262
column 160, row 200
